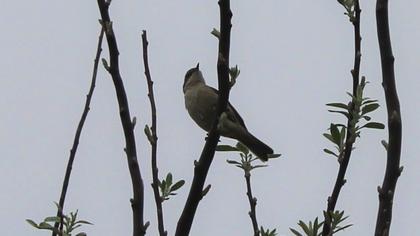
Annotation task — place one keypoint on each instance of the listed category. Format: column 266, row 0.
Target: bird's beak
column 198, row 66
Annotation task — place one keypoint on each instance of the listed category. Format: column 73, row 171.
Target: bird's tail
column 260, row 149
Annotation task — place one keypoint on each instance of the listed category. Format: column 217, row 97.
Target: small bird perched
column 201, row 103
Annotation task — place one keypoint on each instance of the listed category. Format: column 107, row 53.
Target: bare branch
column 393, row 169
column 137, row 202
column 252, row 204
column 153, row 142
column 202, row 166
column 77, row 135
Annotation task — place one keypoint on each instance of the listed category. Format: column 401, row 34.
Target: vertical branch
column 154, row 138
column 252, row 204
column 137, row 202
column 357, row 46
column 77, row 136
column 203, row 165
column 393, row 169
column 350, row 137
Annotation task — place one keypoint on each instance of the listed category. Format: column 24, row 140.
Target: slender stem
column 137, row 202
column 77, row 135
column 153, row 142
column 252, row 204
column 393, row 169
column 350, row 137
column 203, row 165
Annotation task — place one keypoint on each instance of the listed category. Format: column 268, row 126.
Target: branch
column 350, row 137
column 252, row 204
column 202, row 166
column 154, row 138
column 77, row 135
column 137, row 202
column 393, row 169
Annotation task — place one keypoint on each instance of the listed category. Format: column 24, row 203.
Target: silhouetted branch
column 202, row 166
column 350, row 137
column 154, row 138
column 137, row 202
column 252, row 204
column 393, row 169
column 77, row 135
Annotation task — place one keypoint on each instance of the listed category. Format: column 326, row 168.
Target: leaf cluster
column 168, row 188
column 234, row 74
column 355, row 111
column 315, row 228
column 247, row 158
column 267, row 232
column 70, row 223
column 349, row 5
column 148, row 132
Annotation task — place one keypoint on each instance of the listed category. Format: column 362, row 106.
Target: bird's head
column 193, row 77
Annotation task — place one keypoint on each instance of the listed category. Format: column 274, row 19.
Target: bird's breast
column 201, row 106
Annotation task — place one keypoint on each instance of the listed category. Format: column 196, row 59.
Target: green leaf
column 163, row 185
column 338, row 105
column 242, row 148
column 216, row 33
column 234, row 72
column 330, row 152
column 346, row 114
column 52, row 219
column 329, row 137
column 45, row 225
column 169, row 179
column 374, row 125
column 81, row 234
column 226, row 148
column 177, row 185
column 369, row 101
column 148, row 133
column 233, row 162
column 83, row 222
column 295, row 232
column 105, row 64
column 369, row 108
column 258, row 166
column 335, row 133
column 304, row 227
column 342, row 228
column 31, row 222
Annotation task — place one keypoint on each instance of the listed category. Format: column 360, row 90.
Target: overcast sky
column 295, row 56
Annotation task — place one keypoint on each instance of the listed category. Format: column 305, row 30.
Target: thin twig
column 153, row 142
column 203, row 165
column 393, row 169
column 77, row 135
column 252, row 204
column 350, row 137
column 137, row 202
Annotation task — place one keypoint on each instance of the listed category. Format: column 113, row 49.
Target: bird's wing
column 234, row 116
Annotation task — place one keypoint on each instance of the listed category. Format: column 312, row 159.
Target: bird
column 201, row 102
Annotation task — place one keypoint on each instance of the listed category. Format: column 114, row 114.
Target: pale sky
column 295, row 56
